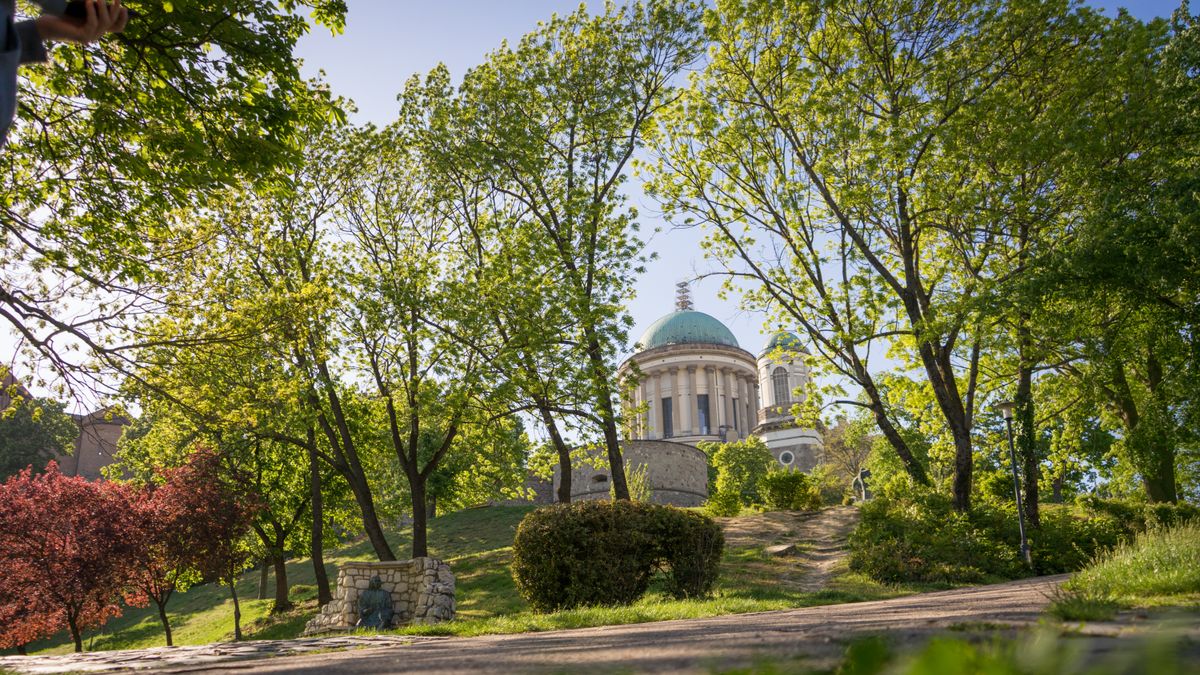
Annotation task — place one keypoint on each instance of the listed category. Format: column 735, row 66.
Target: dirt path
column 819, row 538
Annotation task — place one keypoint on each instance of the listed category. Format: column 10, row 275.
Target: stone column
column 676, row 400
column 645, row 417
column 657, row 416
column 731, row 393
column 710, row 386
column 722, row 399
column 748, row 405
column 687, row 400
column 689, row 408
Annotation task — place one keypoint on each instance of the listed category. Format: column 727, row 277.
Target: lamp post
column 1006, row 411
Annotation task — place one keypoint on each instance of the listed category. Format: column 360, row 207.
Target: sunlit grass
column 1160, row 567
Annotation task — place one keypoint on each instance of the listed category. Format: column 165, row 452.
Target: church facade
column 690, row 381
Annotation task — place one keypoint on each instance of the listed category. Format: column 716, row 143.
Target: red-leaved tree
column 223, row 507
column 64, row 546
column 188, row 526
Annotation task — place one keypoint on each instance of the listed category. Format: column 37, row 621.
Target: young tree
column 69, row 540
column 172, row 520
column 548, row 127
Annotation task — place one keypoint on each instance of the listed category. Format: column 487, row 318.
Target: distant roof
column 687, row 327
column 785, row 341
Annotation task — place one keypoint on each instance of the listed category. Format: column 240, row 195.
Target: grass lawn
column 477, row 543
column 1159, row 568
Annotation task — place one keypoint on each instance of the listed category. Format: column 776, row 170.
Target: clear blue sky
column 387, row 41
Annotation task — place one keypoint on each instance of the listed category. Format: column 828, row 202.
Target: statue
column 375, row 606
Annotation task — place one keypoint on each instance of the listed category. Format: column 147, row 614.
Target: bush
column 739, row 467
column 920, row 537
column 690, row 547
column 724, row 504
column 604, row 553
column 915, row 534
column 784, row 489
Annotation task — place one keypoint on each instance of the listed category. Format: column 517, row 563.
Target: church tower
column 783, row 377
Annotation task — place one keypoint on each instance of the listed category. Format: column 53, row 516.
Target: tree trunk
column 281, row 604
column 317, row 541
column 940, row 374
column 262, row 578
column 564, row 455
column 362, row 495
column 162, row 616
column 612, row 443
column 348, row 465
column 237, row 609
column 420, row 525
column 1027, row 449
column 74, row 626
column 911, row 465
column 21, row 650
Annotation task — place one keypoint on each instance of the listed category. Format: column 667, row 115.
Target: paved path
column 815, row 634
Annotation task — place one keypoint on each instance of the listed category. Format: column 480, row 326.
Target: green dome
column 687, row 327
column 785, row 341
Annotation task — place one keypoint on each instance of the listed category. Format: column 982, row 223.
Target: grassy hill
column 477, row 543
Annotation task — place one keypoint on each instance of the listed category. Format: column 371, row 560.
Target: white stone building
column 690, row 381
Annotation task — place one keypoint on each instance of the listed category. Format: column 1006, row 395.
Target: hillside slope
column 478, row 545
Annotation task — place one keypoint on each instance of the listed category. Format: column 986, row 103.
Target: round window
column 786, row 458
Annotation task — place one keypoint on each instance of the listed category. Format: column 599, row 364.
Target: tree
column 740, row 466
column 847, row 445
column 547, row 128
column 118, row 142
column 838, row 175
column 411, row 297
column 172, row 523
column 69, row 540
column 228, row 510
column 32, row 432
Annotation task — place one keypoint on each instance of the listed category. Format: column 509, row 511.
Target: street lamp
column 1006, row 411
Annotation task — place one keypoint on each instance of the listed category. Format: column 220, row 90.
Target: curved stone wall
column 678, row 473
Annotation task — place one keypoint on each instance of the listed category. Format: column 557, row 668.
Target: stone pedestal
column 422, row 592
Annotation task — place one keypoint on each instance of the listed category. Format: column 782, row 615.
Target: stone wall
column 422, row 592
column 678, row 473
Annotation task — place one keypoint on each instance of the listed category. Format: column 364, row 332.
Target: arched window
column 783, row 393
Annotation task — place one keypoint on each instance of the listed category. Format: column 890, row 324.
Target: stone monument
column 421, row 591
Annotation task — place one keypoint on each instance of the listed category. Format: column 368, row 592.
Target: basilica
column 690, row 381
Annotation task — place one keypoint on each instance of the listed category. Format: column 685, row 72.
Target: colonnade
column 732, row 401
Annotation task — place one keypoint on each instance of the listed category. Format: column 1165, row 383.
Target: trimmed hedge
column 604, row 553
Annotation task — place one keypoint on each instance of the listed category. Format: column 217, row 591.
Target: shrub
column 690, row 549
column 604, row 553
column 739, row 466
column 785, row 489
column 916, row 535
column 724, row 504
column 921, row 537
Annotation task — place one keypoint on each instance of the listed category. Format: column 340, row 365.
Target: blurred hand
column 101, row 18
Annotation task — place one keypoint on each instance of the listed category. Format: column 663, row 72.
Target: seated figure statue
column 375, row 606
